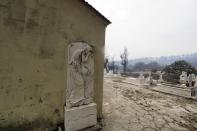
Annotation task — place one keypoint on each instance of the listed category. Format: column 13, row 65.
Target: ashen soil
column 132, row 108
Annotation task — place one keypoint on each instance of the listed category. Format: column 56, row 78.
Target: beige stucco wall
column 34, row 35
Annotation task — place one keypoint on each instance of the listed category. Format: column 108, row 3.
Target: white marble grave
column 183, row 77
column 141, row 78
column 149, row 79
column 160, row 78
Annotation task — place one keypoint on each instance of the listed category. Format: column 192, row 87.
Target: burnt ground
column 133, row 108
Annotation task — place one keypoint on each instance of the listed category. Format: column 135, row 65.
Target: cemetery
column 54, row 75
column 141, row 102
column 186, row 88
column 129, row 106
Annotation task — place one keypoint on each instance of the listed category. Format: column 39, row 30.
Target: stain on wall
column 34, row 35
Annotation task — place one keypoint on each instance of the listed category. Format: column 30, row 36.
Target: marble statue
column 80, row 75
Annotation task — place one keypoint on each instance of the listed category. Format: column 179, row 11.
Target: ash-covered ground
column 133, row 108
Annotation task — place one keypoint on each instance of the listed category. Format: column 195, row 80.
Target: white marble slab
column 81, row 117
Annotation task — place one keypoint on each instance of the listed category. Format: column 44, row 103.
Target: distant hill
column 166, row 60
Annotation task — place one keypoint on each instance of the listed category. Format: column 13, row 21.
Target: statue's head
column 87, row 49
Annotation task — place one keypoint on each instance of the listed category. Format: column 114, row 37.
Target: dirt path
column 131, row 108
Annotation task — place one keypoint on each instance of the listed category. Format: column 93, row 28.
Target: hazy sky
column 149, row 27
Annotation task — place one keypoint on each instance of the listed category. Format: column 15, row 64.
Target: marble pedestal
column 81, row 117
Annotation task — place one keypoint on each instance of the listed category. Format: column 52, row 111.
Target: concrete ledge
column 174, row 91
column 82, row 117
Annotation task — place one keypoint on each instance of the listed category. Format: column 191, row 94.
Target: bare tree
column 124, row 58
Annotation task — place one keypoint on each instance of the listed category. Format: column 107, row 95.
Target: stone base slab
column 81, row 117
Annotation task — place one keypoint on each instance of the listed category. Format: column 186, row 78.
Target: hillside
column 166, row 60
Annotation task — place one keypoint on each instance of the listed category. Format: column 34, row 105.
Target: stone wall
column 34, row 35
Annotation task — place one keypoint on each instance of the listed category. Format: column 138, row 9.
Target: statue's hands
column 84, row 70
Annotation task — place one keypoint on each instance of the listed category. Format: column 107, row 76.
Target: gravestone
column 191, row 80
column 149, row 80
column 80, row 110
column 160, row 78
column 141, row 78
column 183, row 78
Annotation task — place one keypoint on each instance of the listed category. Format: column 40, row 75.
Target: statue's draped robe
column 81, row 78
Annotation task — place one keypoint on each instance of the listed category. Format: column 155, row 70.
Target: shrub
column 172, row 72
